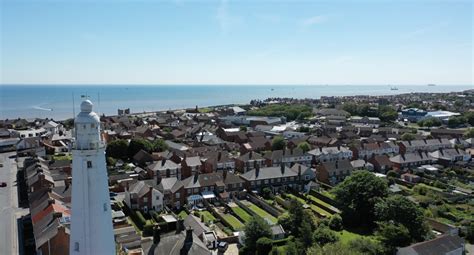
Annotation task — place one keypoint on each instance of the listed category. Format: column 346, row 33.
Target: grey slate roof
column 438, row 246
column 268, row 173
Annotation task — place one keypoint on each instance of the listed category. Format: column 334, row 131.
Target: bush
column 335, row 223
column 324, row 235
column 264, row 245
column 148, row 229
column 140, row 220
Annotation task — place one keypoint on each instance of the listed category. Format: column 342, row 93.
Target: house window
column 76, row 246
column 145, row 199
column 177, row 195
column 157, row 197
column 89, row 164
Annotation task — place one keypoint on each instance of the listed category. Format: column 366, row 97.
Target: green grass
column 242, row 214
column 63, row 157
column 183, row 214
column 262, row 213
column 312, row 206
column 319, row 201
column 233, row 222
column 346, row 236
column 208, row 217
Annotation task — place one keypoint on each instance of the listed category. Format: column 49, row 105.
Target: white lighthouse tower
column 91, row 218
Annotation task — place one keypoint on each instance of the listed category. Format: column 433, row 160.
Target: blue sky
column 236, row 42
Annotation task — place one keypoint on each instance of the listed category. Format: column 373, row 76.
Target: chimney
column 51, row 201
column 336, row 164
column 163, row 161
column 257, row 170
column 338, row 147
column 250, row 154
column 158, row 179
column 156, row 234
column 219, row 156
column 224, row 174
column 291, row 151
column 282, row 167
column 320, row 149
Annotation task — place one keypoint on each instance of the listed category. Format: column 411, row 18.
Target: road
column 9, row 210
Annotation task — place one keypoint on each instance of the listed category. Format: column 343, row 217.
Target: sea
column 60, row 102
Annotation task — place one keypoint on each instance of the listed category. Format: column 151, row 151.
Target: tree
column 304, row 146
column 138, row 144
column 430, row 122
column 278, row 143
column 254, row 229
column 264, row 245
column 456, row 121
column 297, row 215
column 335, row 223
column 392, row 174
column 332, row 249
column 469, row 133
column 400, row 210
column 393, row 235
column 366, row 246
column 357, row 196
column 470, row 232
column 408, row 137
column 469, row 117
column 159, row 145
column 117, row 149
column 324, row 235
column 267, row 192
column 243, row 128
column 305, row 238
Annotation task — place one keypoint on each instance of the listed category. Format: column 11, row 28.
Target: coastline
column 55, row 101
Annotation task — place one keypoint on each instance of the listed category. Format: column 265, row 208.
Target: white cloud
column 314, row 20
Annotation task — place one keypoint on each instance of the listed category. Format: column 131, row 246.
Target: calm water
column 57, row 101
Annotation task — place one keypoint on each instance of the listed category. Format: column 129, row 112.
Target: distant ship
column 393, row 88
column 431, row 85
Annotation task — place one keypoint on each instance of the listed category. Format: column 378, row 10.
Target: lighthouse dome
column 87, row 115
column 86, row 106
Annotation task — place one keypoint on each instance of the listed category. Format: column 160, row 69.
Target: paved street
column 9, row 211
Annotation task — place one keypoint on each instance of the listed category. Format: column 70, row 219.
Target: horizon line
column 224, row 84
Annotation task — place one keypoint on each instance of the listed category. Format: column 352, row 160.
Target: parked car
column 3, row 184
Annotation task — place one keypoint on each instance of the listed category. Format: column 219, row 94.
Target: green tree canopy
column 408, row 137
column 430, row 122
column 323, row 235
column 138, row 144
column 332, row 249
column 159, row 145
column 117, row 149
column 469, row 133
column 366, row 246
column 304, row 146
column 393, row 235
column 357, row 196
column 399, row 209
column 254, row 229
column 335, row 223
column 264, row 245
column 278, row 143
